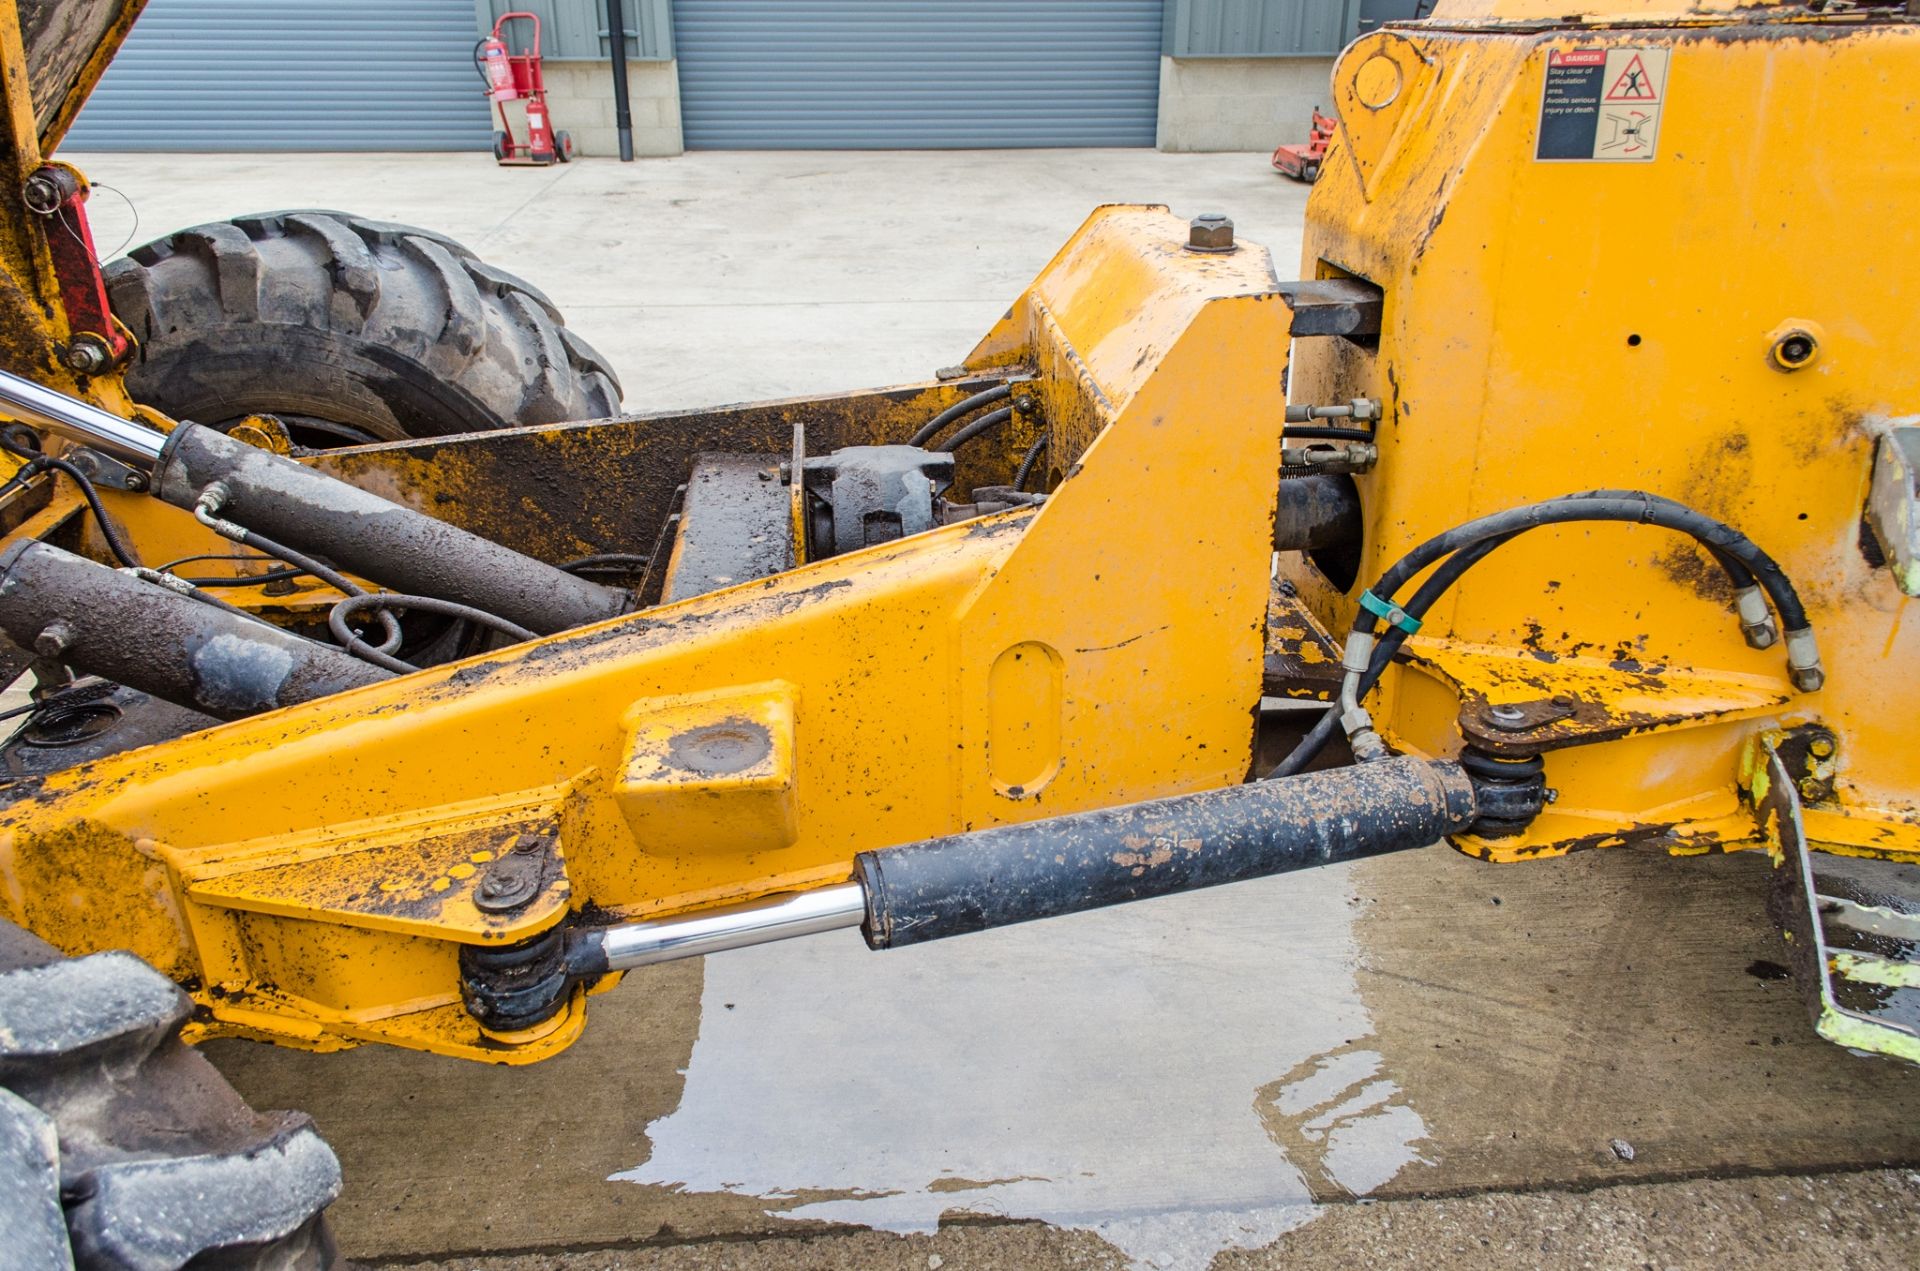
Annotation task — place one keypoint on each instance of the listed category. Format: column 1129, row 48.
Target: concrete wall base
column 1240, row 103
column 580, row 99
column 1209, row 103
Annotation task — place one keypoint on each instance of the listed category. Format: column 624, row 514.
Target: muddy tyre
column 348, row 329
column 122, row 1148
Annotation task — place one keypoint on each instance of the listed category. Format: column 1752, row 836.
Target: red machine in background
column 1302, row 161
column 514, row 76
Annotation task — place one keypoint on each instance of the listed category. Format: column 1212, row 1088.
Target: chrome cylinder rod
column 638, row 944
column 133, row 444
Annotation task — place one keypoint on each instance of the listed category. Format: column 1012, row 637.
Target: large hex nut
column 1210, row 232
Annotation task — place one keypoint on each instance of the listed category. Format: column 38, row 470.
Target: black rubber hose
column 1746, row 563
column 59, row 697
column 381, row 602
column 966, row 405
column 40, row 463
column 1031, row 458
column 992, row 419
column 255, row 580
column 1437, row 584
column 192, row 592
column 1321, row 432
column 606, row 563
column 389, row 625
column 1596, row 505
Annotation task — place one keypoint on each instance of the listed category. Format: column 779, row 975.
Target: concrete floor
column 728, row 277
column 1419, row 1059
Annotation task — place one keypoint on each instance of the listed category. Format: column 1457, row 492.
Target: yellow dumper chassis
column 1582, row 540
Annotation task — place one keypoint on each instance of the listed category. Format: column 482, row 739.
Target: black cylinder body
column 106, row 623
column 1088, row 860
column 1316, row 512
column 367, row 535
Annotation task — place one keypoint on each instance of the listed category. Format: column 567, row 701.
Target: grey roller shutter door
column 917, row 74
column 279, row 75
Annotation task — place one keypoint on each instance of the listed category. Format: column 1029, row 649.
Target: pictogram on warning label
column 1602, row 103
column 1633, row 84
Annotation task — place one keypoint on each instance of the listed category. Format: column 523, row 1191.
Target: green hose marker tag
column 1392, row 614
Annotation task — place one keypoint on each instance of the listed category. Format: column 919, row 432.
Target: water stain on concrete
column 1534, row 1013
column 1122, row 1073
column 1343, row 1124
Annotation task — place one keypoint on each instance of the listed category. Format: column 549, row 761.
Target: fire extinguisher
column 539, row 133
column 498, row 70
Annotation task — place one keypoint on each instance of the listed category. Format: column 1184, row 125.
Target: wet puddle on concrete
column 1180, row 1077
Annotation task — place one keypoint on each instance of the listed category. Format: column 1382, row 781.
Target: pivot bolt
column 1210, row 232
column 48, row 188
column 1821, row 747
column 87, row 355
column 1507, row 718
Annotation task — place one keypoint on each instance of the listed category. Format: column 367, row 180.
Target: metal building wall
column 1260, row 28
column 272, row 75
column 576, row 30
column 917, row 74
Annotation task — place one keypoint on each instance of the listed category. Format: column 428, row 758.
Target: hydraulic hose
column 990, row 420
column 211, row 501
column 37, row 463
column 965, row 406
column 1602, row 505
column 381, row 602
column 1466, row 545
column 1310, row 746
column 1323, row 432
column 1029, row 460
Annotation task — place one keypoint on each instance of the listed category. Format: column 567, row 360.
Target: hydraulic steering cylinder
column 365, row 534
column 174, row 647
column 1016, row 873
column 309, row 511
column 1088, row 860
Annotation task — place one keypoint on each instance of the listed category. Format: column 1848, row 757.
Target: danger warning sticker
column 1602, row 104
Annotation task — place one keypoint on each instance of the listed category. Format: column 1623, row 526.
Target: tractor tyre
column 120, row 1147
column 349, row 330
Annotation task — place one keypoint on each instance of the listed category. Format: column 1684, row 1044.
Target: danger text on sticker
column 1602, row 104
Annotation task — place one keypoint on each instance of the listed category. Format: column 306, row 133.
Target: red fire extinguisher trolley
column 514, row 76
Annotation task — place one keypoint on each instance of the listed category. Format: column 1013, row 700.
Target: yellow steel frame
column 311, row 874
column 1558, row 326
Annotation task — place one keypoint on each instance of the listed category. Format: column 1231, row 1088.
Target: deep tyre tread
column 122, row 1148
column 390, row 330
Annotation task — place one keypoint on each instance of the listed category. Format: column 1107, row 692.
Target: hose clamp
column 1393, row 615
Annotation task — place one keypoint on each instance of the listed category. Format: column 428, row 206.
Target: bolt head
column 86, row 356
column 42, row 194
column 1210, row 232
column 1821, row 747
column 1812, row 788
